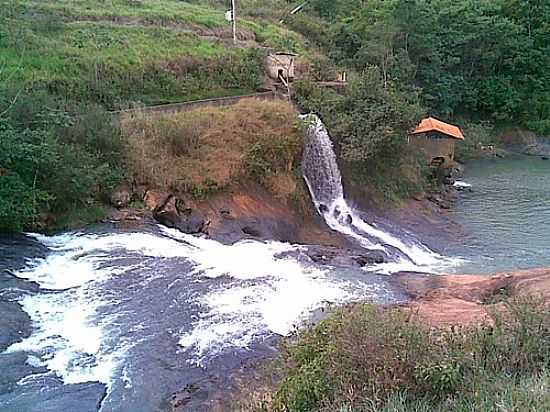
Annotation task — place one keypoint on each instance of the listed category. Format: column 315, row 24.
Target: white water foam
column 265, row 293
column 461, row 184
column 324, row 181
column 276, row 295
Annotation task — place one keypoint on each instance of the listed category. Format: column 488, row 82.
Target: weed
column 367, row 359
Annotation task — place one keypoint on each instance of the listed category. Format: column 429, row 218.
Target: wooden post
column 234, row 18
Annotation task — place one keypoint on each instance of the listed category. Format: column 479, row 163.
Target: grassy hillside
column 64, row 64
column 205, row 150
column 120, row 52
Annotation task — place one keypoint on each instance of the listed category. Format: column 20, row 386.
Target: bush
column 370, row 359
column 476, row 135
column 96, row 132
column 42, row 173
column 369, row 125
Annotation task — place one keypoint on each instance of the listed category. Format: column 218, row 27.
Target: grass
column 367, row 359
column 120, row 52
column 79, row 217
column 205, row 150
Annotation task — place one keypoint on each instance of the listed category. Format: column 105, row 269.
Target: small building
column 280, row 67
column 436, row 139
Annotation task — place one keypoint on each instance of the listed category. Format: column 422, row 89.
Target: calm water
column 505, row 221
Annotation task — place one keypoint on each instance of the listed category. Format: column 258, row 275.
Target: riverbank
column 453, row 347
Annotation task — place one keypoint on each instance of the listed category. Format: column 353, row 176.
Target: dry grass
column 211, row 148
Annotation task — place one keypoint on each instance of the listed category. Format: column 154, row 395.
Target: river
column 111, row 319
column 505, row 220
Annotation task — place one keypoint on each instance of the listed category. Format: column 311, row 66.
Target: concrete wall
column 215, row 102
column 284, row 62
column 432, row 148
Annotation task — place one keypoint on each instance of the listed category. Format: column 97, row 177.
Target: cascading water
column 121, row 319
column 137, row 313
column 323, row 178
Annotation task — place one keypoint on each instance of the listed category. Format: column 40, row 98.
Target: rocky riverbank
column 444, row 300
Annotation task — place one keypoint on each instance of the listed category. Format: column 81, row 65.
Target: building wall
column 276, row 62
column 434, row 145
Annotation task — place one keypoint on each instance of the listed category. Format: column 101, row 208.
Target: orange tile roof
column 433, row 125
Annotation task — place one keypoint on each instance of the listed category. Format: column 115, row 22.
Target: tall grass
column 368, row 359
column 209, row 149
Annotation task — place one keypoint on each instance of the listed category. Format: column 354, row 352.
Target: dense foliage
column 369, row 123
column 487, row 58
column 45, row 170
column 368, row 359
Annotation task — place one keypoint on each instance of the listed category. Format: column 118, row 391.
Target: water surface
column 504, row 222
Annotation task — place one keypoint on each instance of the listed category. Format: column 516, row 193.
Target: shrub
column 95, row 131
column 370, row 359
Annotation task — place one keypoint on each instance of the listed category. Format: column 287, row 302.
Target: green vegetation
column 367, row 359
column 369, row 123
column 63, row 64
column 205, row 150
column 482, row 63
column 477, row 63
column 57, row 170
column 484, row 59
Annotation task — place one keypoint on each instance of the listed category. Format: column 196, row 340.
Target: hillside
column 483, row 65
column 120, row 53
column 65, row 64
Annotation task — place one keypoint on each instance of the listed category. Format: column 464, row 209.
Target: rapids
column 116, row 320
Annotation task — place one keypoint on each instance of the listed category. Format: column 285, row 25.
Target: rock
column 323, row 208
column 154, row 199
column 545, row 158
column 120, row 197
column 348, row 219
column 182, row 398
column 225, row 213
column 182, row 208
column 192, row 224
column 252, row 231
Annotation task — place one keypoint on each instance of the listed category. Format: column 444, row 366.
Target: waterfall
column 323, row 178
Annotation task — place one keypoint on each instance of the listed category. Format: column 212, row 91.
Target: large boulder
column 187, row 221
column 155, row 199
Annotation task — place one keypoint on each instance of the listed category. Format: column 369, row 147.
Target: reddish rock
column 154, row 199
column 442, row 300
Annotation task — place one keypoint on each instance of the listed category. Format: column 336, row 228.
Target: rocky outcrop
column 182, row 218
column 441, row 300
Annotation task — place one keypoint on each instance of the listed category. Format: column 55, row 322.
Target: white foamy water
column 277, row 295
column 261, row 293
column 460, row 183
column 324, row 181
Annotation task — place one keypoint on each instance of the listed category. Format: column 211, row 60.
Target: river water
column 504, row 222
column 117, row 320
